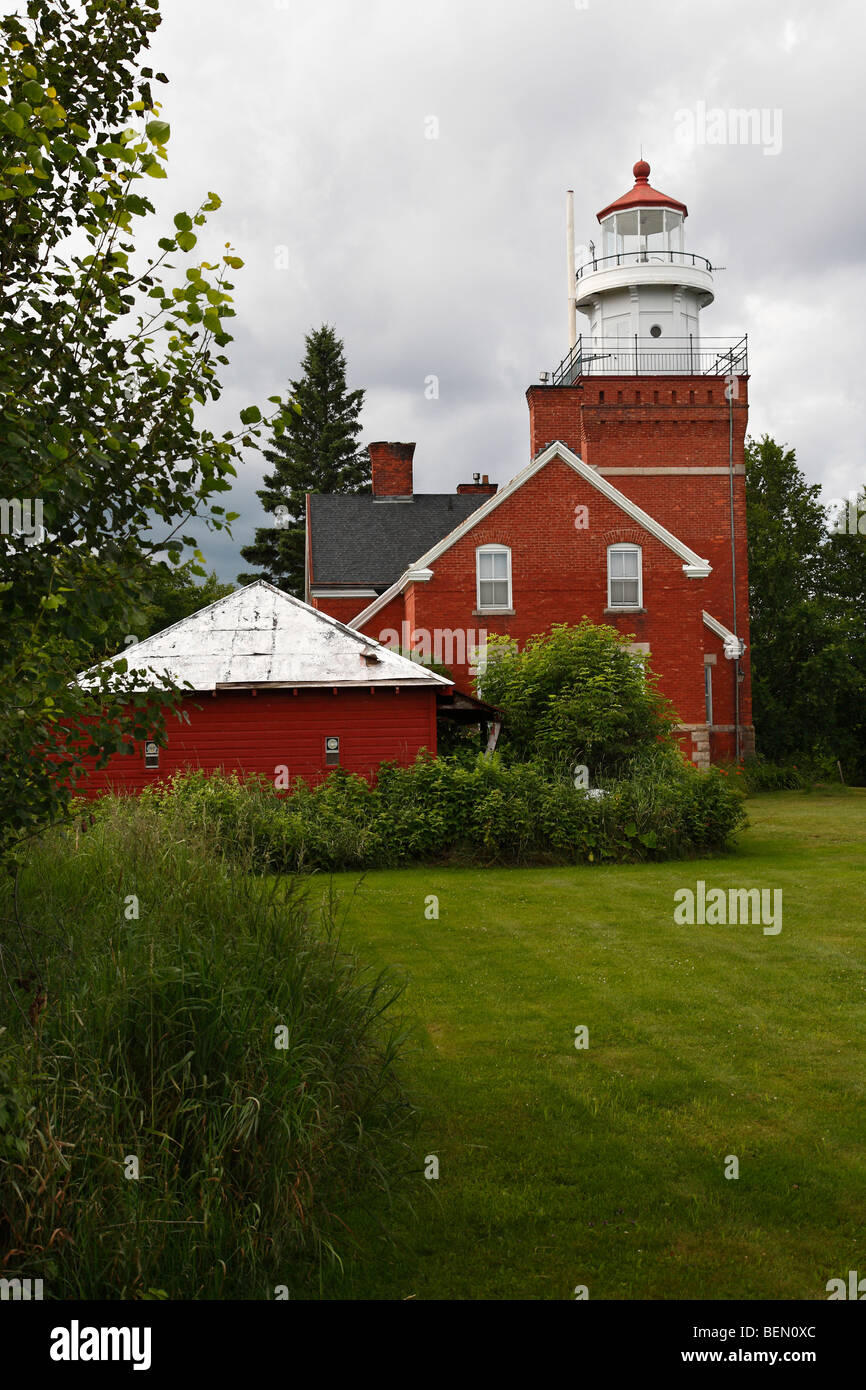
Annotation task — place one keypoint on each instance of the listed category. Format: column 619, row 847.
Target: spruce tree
column 315, row 451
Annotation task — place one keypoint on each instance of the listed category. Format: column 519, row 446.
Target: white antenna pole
column 570, row 280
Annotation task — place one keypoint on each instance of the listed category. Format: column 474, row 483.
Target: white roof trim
column 342, row 593
column 734, row 646
column 694, row 567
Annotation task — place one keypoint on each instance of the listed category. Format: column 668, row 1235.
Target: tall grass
column 146, row 981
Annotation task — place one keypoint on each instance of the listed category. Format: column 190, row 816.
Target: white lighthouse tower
column 642, row 291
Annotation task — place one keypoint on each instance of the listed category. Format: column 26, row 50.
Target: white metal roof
column 260, row 636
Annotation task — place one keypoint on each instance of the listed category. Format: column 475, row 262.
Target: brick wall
column 391, row 466
column 661, row 435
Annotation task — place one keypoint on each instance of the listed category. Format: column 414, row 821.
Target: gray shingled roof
column 357, row 540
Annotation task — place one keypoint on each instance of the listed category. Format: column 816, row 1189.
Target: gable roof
column 260, row 636
column 693, row 566
column 359, row 540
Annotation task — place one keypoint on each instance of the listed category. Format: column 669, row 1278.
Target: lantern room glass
column 643, row 234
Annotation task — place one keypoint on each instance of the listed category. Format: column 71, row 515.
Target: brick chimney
column 391, row 466
column 479, row 484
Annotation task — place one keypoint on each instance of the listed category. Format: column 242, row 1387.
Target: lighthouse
column 653, row 404
column 642, row 291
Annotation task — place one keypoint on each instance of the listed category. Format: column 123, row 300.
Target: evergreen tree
column 314, row 449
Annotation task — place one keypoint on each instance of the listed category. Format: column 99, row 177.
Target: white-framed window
column 493, row 568
column 708, row 692
column 624, row 578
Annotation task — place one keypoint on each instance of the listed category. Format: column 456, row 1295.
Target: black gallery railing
column 652, row 356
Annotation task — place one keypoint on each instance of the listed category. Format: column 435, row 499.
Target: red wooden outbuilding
column 278, row 688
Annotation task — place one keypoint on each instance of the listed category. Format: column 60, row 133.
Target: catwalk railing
column 635, row 356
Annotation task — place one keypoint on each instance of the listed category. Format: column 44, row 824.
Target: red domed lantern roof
column 643, row 195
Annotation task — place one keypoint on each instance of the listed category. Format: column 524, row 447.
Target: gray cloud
column 446, row 256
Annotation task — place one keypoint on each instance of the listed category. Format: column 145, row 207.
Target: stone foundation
column 708, row 744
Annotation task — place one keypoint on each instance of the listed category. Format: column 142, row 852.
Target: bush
column 484, row 812
column 762, row 776
column 154, row 1035
column 575, row 695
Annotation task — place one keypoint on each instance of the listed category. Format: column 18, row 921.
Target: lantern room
column 644, row 224
column 642, row 291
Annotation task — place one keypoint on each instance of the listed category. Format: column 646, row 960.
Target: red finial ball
column 641, row 170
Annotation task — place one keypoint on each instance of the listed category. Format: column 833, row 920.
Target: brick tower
column 648, row 401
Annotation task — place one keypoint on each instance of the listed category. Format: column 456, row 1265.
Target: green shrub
column 488, row 811
column 155, row 1036
column 762, row 776
column 575, row 695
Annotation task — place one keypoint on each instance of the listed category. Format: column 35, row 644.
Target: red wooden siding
column 239, row 731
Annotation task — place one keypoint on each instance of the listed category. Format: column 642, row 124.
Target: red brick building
column 631, row 511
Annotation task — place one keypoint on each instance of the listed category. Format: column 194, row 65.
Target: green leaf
column 62, row 150
column 251, row 416
column 186, row 240
column 234, row 261
column 183, row 222
column 158, row 131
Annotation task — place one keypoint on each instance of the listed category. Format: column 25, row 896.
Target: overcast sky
column 445, row 256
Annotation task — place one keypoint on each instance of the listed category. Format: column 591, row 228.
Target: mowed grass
column 605, row 1167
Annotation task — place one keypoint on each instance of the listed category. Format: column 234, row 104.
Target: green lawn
column 605, row 1167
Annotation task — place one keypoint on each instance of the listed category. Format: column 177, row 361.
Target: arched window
column 493, row 571
column 624, row 578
